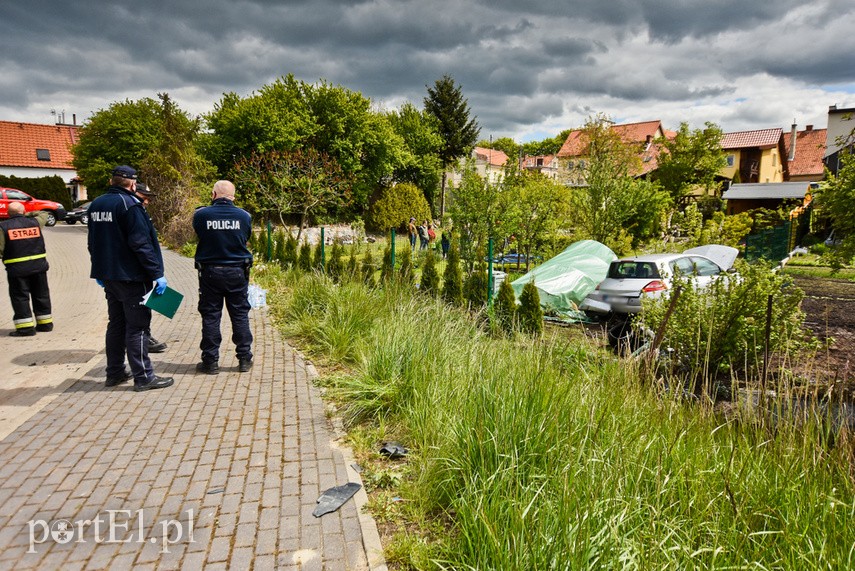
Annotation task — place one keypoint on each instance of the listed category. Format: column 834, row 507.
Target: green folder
column 166, row 303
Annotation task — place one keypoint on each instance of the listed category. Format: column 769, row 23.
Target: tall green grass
column 554, row 455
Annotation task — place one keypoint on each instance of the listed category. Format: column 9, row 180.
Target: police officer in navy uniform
column 25, row 258
column 126, row 259
column 223, row 261
column 145, row 193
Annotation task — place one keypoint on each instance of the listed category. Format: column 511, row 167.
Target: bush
column 723, row 327
column 529, row 314
column 430, row 277
column 396, row 205
column 352, row 265
column 475, row 289
column 279, row 247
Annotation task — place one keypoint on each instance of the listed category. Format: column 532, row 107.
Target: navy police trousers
column 229, row 284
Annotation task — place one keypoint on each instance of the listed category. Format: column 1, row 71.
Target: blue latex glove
column 161, row 286
column 99, row 282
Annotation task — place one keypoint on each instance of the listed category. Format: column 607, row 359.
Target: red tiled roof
column 575, row 144
column 19, row 141
column 495, row 157
column 744, row 139
column 810, row 148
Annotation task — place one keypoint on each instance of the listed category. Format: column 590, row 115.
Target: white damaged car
column 629, row 280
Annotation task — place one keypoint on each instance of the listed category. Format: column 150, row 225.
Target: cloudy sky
column 528, row 68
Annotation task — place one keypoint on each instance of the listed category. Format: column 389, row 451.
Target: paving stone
column 248, row 453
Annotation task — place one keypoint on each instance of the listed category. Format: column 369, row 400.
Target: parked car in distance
column 629, row 280
column 55, row 210
column 79, row 214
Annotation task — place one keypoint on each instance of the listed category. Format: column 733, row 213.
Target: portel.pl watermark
column 112, row 526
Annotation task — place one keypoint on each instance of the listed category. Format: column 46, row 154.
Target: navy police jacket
column 122, row 240
column 223, row 231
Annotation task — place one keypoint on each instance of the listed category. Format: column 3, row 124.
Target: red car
column 55, row 210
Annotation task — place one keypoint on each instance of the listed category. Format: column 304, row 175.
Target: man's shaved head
column 224, row 189
column 16, row 208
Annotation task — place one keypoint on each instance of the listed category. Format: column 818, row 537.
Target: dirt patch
column 829, row 305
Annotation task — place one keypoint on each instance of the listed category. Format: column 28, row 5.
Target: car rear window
column 628, row 269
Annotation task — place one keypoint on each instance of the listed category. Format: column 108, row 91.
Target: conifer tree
column 387, row 272
column 305, row 260
column 406, row 269
column 279, row 247
column 335, row 265
column 318, row 258
column 368, row 269
column 352, row 265
column 505, row 306
column 529, row 313
column 476, row 284
column 452, row 287
column 290, row 257
column 430, row 282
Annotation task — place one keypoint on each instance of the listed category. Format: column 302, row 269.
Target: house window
column 731, row 160
column 774, row 160
column 43, row 154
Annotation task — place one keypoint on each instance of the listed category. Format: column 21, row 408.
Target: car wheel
column 51, row 218
column 84, row 219
column 622, row 337
column 70, row 221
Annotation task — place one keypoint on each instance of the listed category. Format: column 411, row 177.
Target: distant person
column 126, row 261
column 423, row 235
column 445, row 242
column 144, row 193
column 25, row 258
column 223, row 261
column 411, row 232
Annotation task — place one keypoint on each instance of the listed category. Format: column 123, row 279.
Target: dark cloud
column 520, row 65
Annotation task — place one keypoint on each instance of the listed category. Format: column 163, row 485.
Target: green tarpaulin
column 565, row 280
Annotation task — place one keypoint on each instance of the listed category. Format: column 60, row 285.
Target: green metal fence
column 775, row 243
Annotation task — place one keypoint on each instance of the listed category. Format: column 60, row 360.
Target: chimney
column 808, row 127
column 793, row 134
column 74, row 119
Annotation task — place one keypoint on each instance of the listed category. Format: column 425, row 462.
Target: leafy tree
column 304, row 182
column 395, row 206
column 529, row 314
column 458, row 131
column 612, row 203
column 505, row 306
column 157, row 138
column 421, row 166
column 289, row 115
column 548, row 146
column 475, row 208
column 430, row 283
column 692, row 160
column 452, row 288
column 533, row 207
column 406, row 269
column 305, row 259
column 835, row 200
